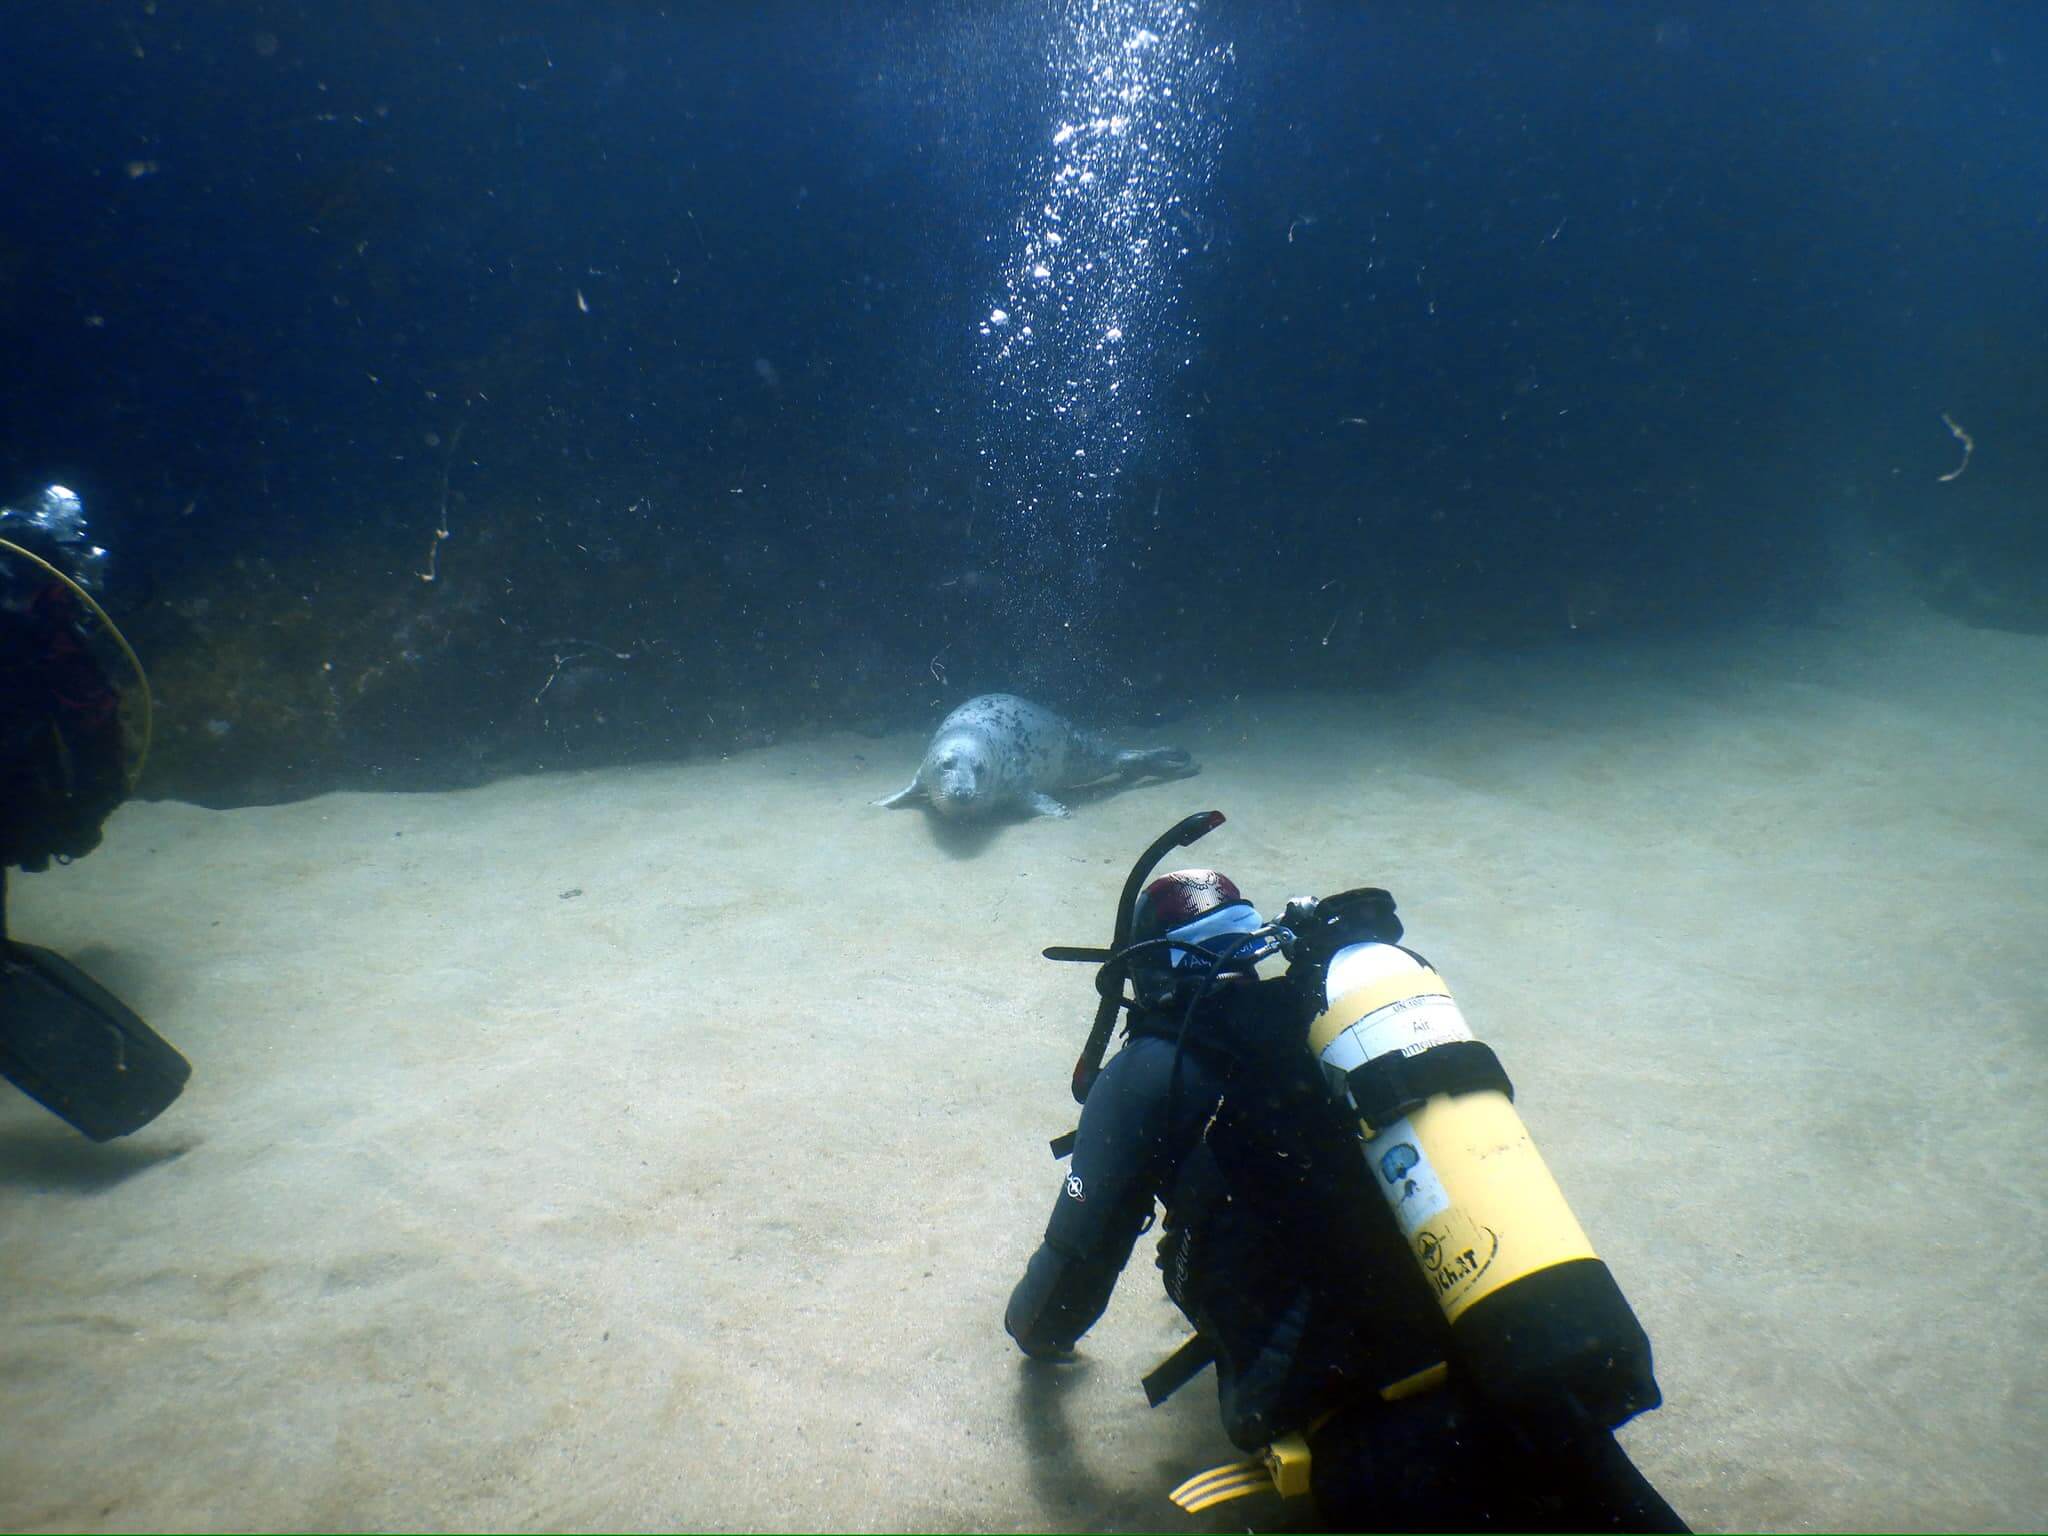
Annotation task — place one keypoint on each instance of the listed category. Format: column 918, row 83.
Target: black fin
column 78, row 1050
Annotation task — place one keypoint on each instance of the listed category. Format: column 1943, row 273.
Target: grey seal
column 998, row 752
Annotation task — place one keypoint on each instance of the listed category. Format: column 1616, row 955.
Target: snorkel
column 1115, row 961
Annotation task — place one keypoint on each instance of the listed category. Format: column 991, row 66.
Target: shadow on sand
column 54, row 1159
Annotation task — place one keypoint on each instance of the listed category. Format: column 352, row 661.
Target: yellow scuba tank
column 1536, row 1320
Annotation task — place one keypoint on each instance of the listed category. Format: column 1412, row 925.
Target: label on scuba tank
column 1403, row 1172
column 1476, row 1203
column 1413, row 1025
column 1410, row 1025
column 1452, row 1249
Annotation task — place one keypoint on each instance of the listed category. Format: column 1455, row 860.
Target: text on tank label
column 1410, row 1025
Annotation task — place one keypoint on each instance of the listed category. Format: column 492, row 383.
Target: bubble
column 1134, row 124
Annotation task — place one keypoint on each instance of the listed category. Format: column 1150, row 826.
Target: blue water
column 1436, row 326
column 1586, row 460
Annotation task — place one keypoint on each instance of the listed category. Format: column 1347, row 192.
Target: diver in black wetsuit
column 1299, row 1286
column 63, row 759
column 64, row 768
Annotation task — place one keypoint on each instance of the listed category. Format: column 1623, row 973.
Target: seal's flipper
column 903, row 796
column 1157, row 762
column 78, row 1050
column 1044, row 805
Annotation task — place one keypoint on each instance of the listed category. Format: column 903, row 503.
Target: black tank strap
column 1389, row 1086
column 1178, row 1369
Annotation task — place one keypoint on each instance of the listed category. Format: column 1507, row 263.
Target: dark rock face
column 276, row 679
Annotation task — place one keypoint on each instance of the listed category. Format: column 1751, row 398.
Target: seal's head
column 957, row 775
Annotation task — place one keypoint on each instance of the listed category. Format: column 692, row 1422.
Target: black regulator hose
column 1201, row 995
column 1109, row 981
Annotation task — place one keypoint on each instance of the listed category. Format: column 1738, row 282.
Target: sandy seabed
column 658, row 1147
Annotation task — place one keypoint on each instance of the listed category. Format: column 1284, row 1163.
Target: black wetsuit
column 61, row 752
column 1288, row 1266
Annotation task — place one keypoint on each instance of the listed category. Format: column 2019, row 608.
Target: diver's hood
column 52, row 527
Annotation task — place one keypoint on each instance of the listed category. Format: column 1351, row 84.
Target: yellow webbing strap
column 1284, row 1465
column 1283, row 1468
column 1287, row 1464
column 1428, row 1379
column 121, row 640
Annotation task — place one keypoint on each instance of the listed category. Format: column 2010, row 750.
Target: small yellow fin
column 1282, row 1467
column 1219, row 1485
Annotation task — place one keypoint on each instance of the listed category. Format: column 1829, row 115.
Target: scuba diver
column 68, row 758
column 1446, row 1353
column 63, row 762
